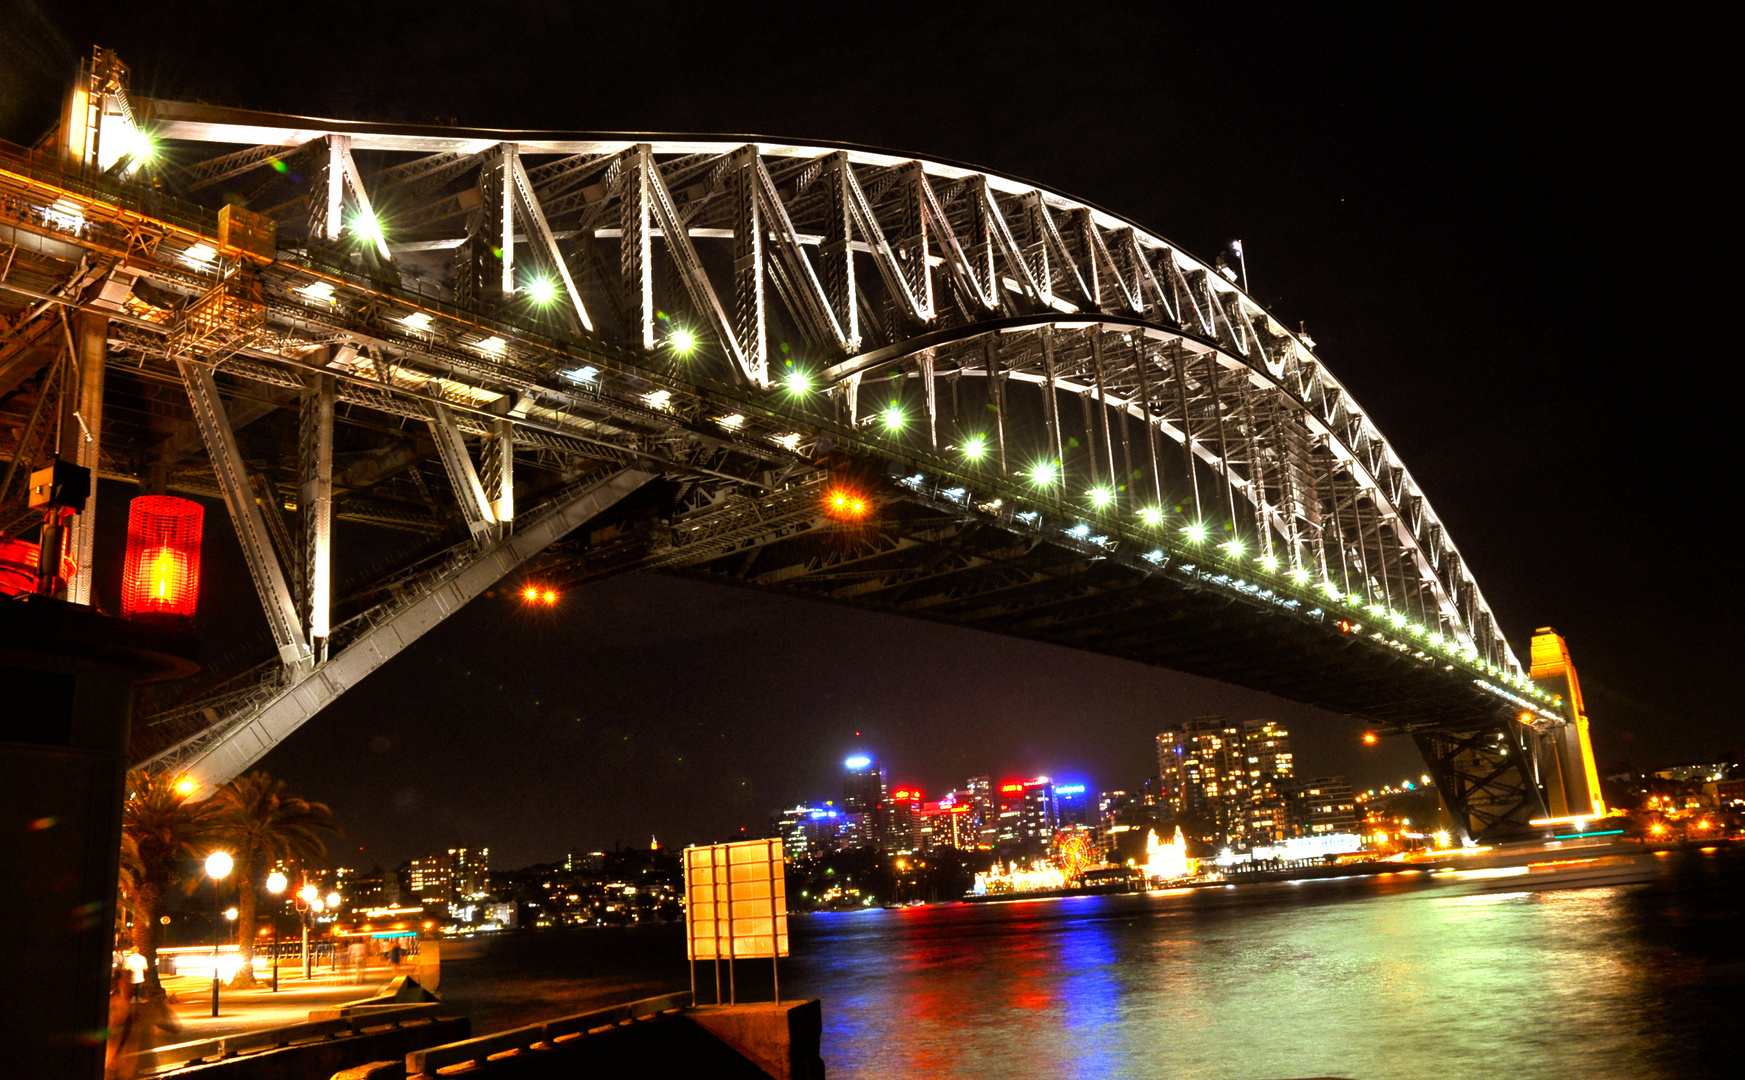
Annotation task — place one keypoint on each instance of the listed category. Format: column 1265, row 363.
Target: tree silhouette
column 162, row 833
column 264, row 827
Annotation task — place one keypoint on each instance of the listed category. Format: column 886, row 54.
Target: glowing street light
column 218, row 867
column 186, row 786
column 333, row 900
column 276, row 883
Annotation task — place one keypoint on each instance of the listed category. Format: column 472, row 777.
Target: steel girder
column 993, row 310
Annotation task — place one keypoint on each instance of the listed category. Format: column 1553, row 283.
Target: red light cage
column 162, row 572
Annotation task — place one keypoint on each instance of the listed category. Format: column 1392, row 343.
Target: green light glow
column 893, row 418
column 1045, row 474
column 682, row 341
column 1151, row 515
column 797, row 382
column 366, row 227
column 975, row 448
column 541, row 290
column 1196, row 533
column 1100, row 497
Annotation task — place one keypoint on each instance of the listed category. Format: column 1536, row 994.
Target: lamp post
column 218, row 866
column 308, row 896
column 276, row 883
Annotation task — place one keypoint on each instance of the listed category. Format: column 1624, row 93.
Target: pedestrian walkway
column 253, row 1010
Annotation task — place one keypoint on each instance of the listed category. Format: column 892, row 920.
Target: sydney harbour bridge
column 908, row 385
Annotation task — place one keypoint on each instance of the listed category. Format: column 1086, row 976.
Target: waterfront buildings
column 1226, row 782
column 1323, row 805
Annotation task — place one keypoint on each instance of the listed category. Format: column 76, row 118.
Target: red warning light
column 161, row 575
column 1345, row 626
column 844, row 503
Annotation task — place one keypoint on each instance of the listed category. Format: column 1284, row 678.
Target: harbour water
column 1620, row 966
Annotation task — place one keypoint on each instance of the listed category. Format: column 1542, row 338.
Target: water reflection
column 1453, row 974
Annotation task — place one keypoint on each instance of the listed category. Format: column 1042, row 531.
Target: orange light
column 186, row 787
column 1370, row 738
column 161, row 573
column 549, row 596
column 530, row 594
column 844, row 503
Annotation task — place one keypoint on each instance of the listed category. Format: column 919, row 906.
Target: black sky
column 1499, row 232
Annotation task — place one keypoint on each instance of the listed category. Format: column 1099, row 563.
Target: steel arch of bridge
column 1124, row 394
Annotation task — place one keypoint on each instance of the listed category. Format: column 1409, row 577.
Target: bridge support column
column 82, row 438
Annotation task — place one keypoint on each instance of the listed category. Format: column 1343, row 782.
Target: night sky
column 1496, row 232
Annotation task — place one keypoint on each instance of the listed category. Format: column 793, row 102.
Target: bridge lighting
column 186, row 787
column 1151, row 515
column 541, row 289
column 1045, row 474
column 1330, row 589
column 1196, row 532
column 975, row 448
column 1233, row 548
column 493, row 345
column 1101, row 497
column 548, row 597
column 319, row 290
column 732, row 421
column 1396, row 619
column 1299, row 575
column 1370, row 738
column 797, row 382
column 200, row 255
column 846, row 504
column 366, row 227
column 893, row 418
column 1080, row 531
column 1269, row 562
column 681, row 341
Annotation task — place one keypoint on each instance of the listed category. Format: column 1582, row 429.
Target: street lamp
column 218, row 866
column 276, row 883
column 309, row 896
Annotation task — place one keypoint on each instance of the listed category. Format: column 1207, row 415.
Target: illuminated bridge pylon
column 1048, row 421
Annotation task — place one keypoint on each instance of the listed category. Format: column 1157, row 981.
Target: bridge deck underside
column 919, row 561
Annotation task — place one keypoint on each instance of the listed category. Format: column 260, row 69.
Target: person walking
column 133, row 1025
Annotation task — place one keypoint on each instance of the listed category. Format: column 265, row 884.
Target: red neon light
column 1009, row 788
column 161, row 574
column 907, row 794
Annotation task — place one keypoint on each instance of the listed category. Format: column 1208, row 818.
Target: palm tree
column 161, row 832
column 263, row 827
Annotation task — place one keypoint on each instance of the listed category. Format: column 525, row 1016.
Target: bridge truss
column 599, row 353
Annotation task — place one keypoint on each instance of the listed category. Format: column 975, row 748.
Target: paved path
column 252, row 1010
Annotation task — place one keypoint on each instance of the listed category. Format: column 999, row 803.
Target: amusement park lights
column 846, row 504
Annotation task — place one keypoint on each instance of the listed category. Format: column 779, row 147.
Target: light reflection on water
column 1446, row 975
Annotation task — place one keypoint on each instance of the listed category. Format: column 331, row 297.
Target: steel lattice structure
column 1064, row 426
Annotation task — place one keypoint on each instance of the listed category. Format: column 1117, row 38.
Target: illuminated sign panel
column 1011, row 788
column 1070, row 789
column 736, row 901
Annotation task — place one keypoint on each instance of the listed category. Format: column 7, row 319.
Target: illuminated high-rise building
column 864, row 797
column 471, row 868
column 432, row 878
column 1039, row 815
column 1225, row 781
column 1323, row 805
column 985, row 810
